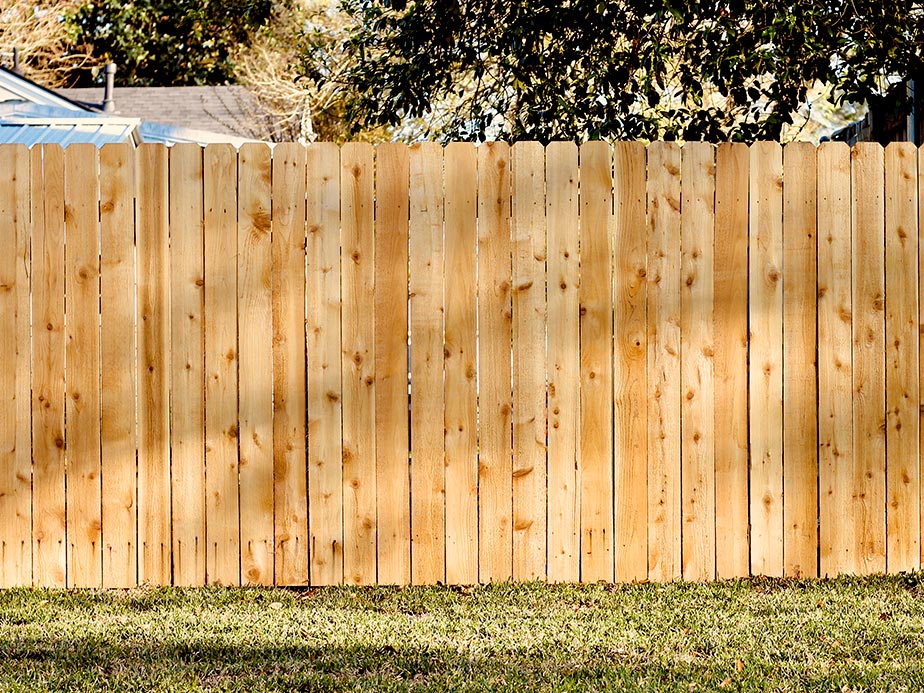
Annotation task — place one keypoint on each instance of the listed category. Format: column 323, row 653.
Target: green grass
column 848, row 634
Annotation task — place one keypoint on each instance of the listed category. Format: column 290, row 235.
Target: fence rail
column 315, row 365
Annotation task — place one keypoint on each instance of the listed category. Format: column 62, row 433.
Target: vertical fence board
column 596, row 462
column 289, row 433
column 903, row 514
column 222, row 507
column 49, row 522
column 765, row 391
column 255, row 346
column 391, row 365
column 867, row 512
column 495, row 540
column 117, row 339
column 357, row 260
column 325, row 469
column 731, row 360
column 529, row 391
column 800, row 296
column 187, row 382
column 564, row 366
column 697, row 376
column 630, row 374
column 664, row 309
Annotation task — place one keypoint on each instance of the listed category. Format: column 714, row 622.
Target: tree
column 582, row 69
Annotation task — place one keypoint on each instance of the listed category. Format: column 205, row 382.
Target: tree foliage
column 587, row 69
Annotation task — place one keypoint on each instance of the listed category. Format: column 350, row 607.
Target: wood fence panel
column 765, row 391
column 731, row 360
column 223, row 554
column 529, row 340
column 495, row 540
column 255, row 347
column 15, row 372
column 697, row 376
column 630, row 373
column 391, row 363
column 428, row 553
column 867, row 512
column 835, row 311
column 357, row 261
column 325, row 468
column 800, row 426
column 903, row 514
column 289, row 404
column 117, row 340
column 82, row 404
column 187, row 374
column 563, row 362
column 461, row 388
column 48, row 347
column 664, row 310
column 596, row 462
column 154, row 540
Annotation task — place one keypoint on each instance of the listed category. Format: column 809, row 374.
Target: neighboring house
column 896, row 119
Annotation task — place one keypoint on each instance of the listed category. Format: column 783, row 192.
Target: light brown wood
column 117, row 342
column 187, row 381
column 664, row 265
column 428, row 552
column 82, row 404
column 529, row 392
column 903, row 515
column 495, row 536
column 48, row 502
column 800, row 425
column 289, row 433
column 697, row 374
column 222, row 508
column 461, row 390
column 765, row 391
column 630, row 373
column 563, row 362
column 15, row 375
column 325, row 469
column 255, row 346
column 596, row 461
column 731, row 360
column 357, row 262
column 867, row 512
column 835, row 419
column 152, row 207
column 391, row 366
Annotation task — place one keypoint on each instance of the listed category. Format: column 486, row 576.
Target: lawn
column 849, row 634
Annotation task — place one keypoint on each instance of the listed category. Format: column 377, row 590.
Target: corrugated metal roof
column 62, row 133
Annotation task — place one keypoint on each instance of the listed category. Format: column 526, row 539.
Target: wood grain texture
column 187, row 381
column 255, row 346
column 461, row 350
column 596, row 461
column 563, row 369
column 664, row 309
column 630, row 372
column 325, row 468
column 800, row 425
column 731, row 361
column 529, row 346
column 357, row 261
column 835, row 358
column 765, row 391
column 117, row 340
column 697, row 349
column 428, row 552
column 289, row 397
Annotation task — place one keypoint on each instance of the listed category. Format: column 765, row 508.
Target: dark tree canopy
column 587, row 69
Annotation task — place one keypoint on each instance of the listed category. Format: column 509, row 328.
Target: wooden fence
column 612, row 353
